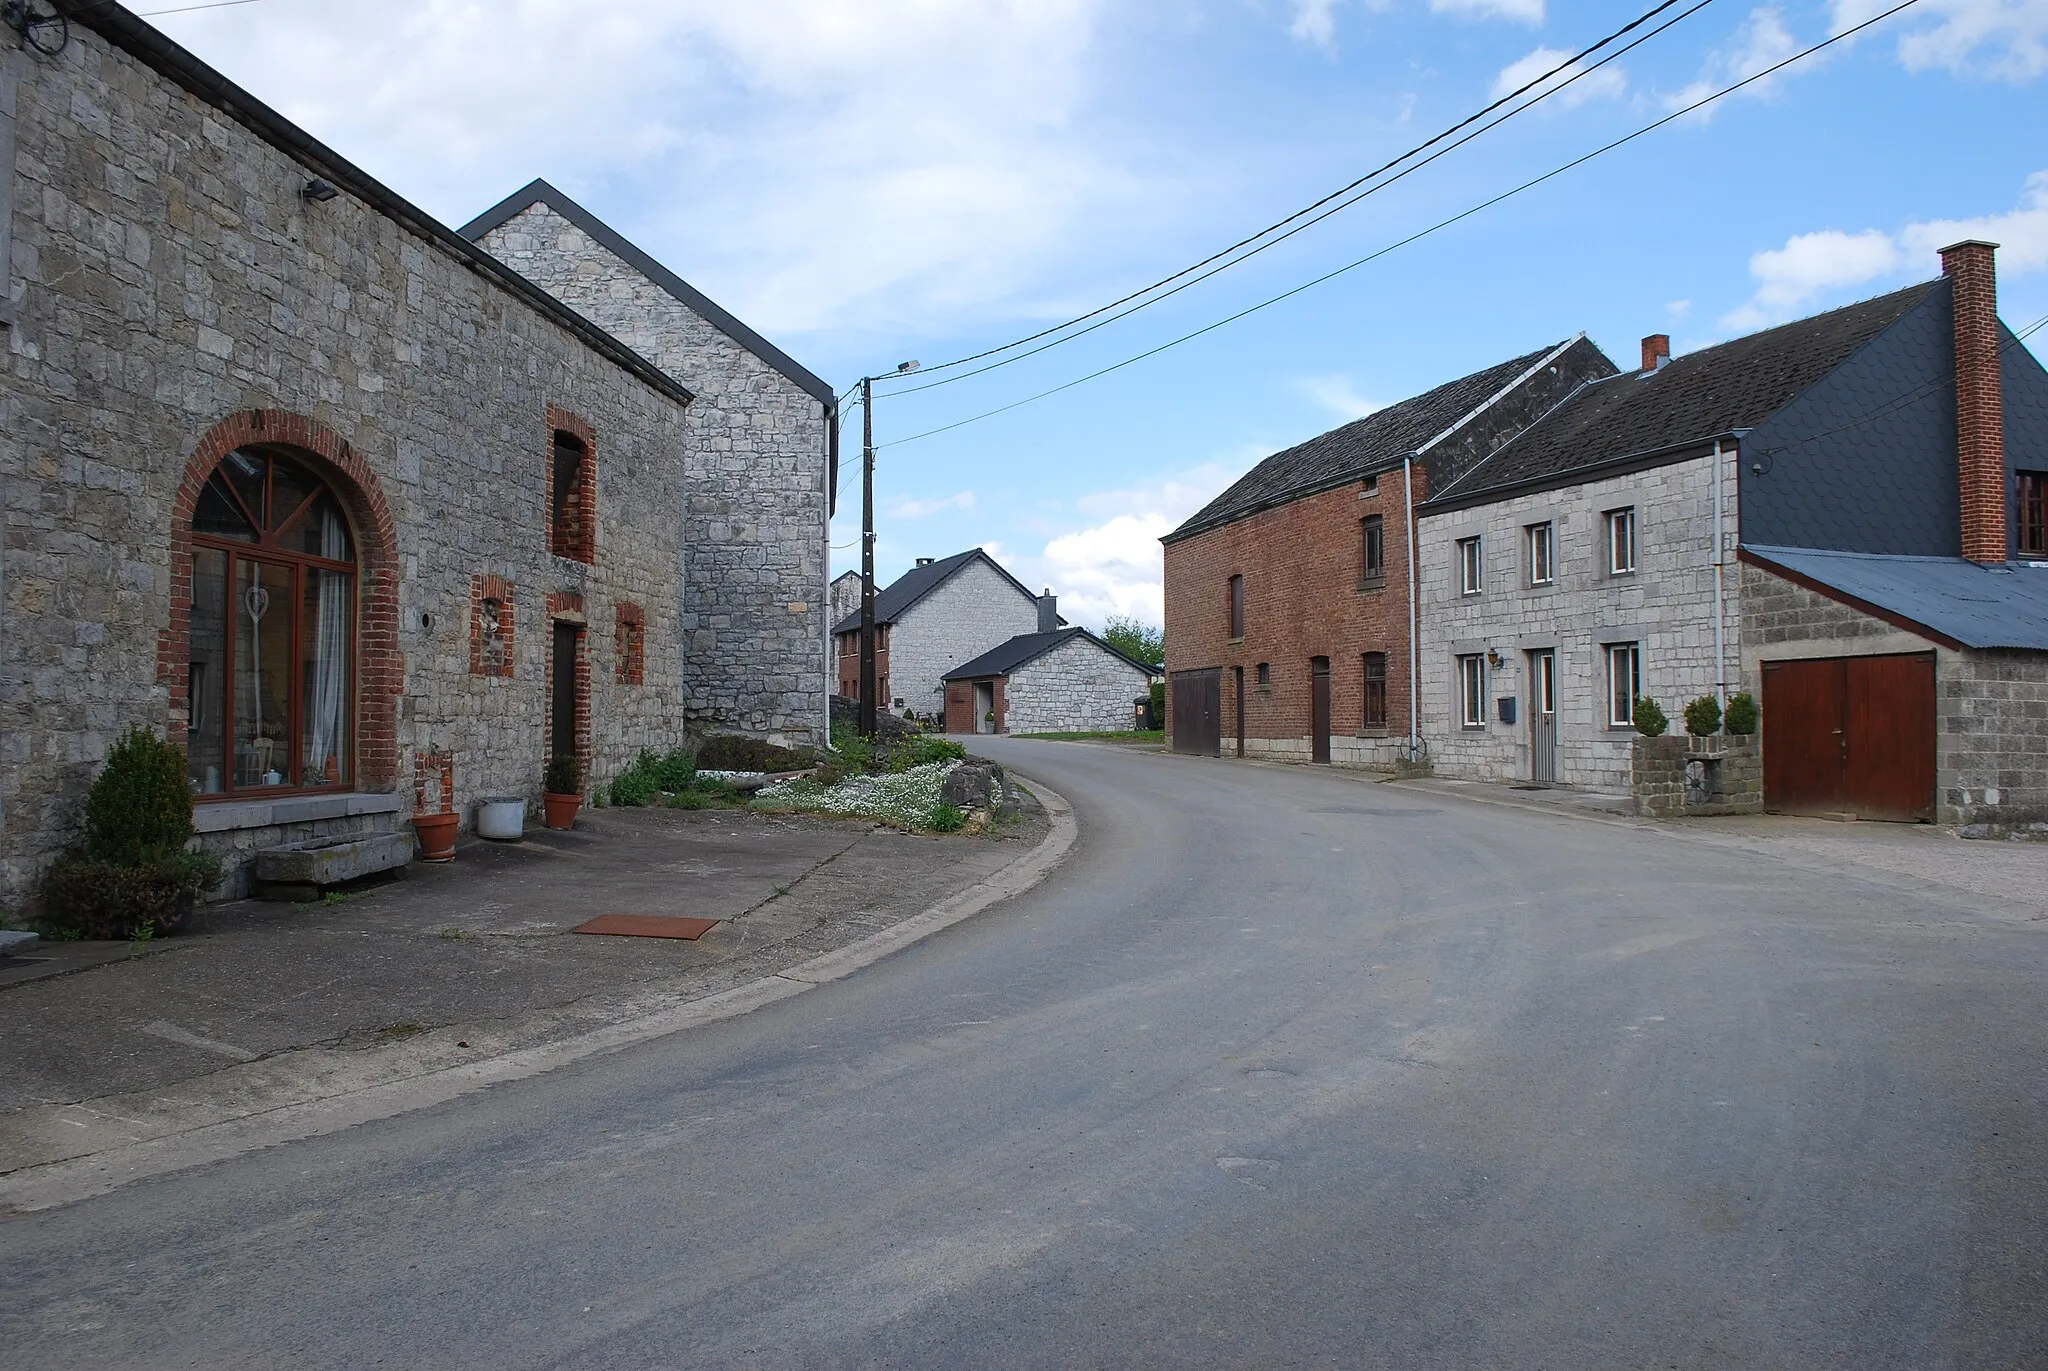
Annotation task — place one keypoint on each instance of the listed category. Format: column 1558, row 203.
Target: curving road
column 1281, row 1068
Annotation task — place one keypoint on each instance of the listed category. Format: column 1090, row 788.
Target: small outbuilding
column 1064, row 680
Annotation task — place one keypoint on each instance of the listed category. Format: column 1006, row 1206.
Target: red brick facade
column 380, row 666
column 567, row 607
column 1306, row 595
column 493, row 611
column 575, row 535
column 630, row 644
column 1980, row 404
column 849, row 665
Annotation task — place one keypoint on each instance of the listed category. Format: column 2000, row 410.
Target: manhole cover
column 647, row 926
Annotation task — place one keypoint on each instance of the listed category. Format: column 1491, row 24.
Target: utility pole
column 867, row 557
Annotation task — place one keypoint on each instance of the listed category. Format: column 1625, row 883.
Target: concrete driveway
column 1281, row 1068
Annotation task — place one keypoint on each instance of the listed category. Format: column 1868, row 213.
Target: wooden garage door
column 1850, row 735
column 1196, row 712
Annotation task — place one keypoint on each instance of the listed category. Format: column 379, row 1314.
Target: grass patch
column 1127, row 735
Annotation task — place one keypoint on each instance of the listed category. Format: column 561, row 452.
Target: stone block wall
column 1076, row 686
column 1666, row 607
column 977, row 608
column 1677, row 775
column 756, row 607
column 169, row 278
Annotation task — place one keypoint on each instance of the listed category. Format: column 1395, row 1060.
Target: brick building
column 1053, row 681
column 940, row 613
column 330, row 494
column 1287, row 596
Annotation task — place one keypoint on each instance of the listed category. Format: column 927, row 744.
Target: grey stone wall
column 1677, row 775
column 1666, row 607
column 755, row 612
column 976, row 609
column 1073, row 687
column 169, row 275
column 1991, row 707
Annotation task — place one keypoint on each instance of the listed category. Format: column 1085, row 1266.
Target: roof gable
column 539, row 192
column 892, row 602
column 1026, row 648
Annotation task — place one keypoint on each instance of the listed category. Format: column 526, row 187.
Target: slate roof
column 913, row 585
column 2003, row 606
column 1691, row 400
column 1360, row 448
column 1027, row 647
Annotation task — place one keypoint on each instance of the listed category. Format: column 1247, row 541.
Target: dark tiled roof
column 1026, row 647
column 1360, row 448
column 1694, row 398
column 913, row 585
column 2003, row 606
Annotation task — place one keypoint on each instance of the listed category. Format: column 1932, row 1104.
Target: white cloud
column 807, row 162
column 1520, row 11
column 909, row 507
column 1813, row 265
column 2004, row 40
column 1315, row 22
column 1678, row 309
column 1759, row 44
column 1605, row 83
column 1114, row 565
column 1338, row 395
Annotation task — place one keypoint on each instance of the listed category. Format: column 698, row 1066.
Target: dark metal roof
column 913, row 585
column 1376, row 443
column 1690, row 401
column 1028, row 647
column 149, row 47
column 539, row 192
column 2002, row 606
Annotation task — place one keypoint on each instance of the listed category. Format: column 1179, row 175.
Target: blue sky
column 894, row 179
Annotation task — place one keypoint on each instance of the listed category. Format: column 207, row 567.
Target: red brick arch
column 380, row 666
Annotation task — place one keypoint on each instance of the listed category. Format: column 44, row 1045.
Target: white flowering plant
column 910, row 799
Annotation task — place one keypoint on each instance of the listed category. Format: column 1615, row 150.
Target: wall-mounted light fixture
column 318, row 190
column 1493, row 659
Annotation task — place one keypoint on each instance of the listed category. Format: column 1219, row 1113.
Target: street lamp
column 868, row 684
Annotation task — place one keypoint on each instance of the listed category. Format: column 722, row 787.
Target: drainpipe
column 1414, row 657
column 1720, row 593
column 831, row 477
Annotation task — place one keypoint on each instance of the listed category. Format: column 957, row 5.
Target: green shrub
column 948, row 818
column 564, row 775
column 923, row 750
column 636, row 785
column 676, row 770
column 1650, row 720
column 1742, row 717
column 133, row 877
column 140, row 808
column 1703, row 717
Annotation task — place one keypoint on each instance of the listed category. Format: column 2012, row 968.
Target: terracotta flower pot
column 560, row 810
column 437, row 835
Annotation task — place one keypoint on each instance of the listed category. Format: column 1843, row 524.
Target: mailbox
column 1507, row 709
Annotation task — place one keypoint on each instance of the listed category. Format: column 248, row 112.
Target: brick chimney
column 1656, row 351
column 1980, row 403
column 1048, row 612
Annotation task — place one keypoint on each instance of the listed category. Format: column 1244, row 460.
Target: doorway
column 1195, row 711
column 984, row 706
column 1319, row 709
column 1850, row 735
column 1543, row 717
column 1237, row 687
column 566, row 705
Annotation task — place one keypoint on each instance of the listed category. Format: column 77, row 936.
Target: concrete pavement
column 1279, row 1068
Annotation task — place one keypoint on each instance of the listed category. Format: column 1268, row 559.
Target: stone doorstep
column 300, row 871
column 15, row 940
column 290, row 809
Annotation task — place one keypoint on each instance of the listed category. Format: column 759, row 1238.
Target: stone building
column 1832, row 515
column 1056, row 680
column 758, row 462
column 1288, row 596
column 323, row 489
column 940, row 613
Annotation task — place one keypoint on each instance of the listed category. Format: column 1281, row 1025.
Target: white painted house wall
column 1666, row 607
column 977, row 608
column 1076, row 686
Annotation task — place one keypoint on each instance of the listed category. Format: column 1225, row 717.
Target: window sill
column 1234, row 642
column 1372, row 583
column 1370, row 733
column 1543, row 585
column 1628, row 575
column 1472, row 728
column 227, row 816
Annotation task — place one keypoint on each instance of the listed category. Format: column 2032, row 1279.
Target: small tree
column 564, row 775
column 133, row 876
column 1649, row 718
column 1703, row 717
column 1135, row 638
column 140, row 808
column 1742, row 715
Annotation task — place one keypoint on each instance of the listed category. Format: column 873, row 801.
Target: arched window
column 271, row 676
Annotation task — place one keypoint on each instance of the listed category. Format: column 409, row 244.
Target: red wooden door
column 1803, row 735
column 1195, row 711
column 1319, row 709
column 1889, row 767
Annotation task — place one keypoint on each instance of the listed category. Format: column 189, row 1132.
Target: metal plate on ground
column 647, row 926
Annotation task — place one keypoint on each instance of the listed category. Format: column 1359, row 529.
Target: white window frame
column 1471, row 566
column 1472, row 690
column 1542, row 543
column 1621, row 541
column 1624, row 668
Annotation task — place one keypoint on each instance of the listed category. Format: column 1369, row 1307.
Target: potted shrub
column 1649, row 718
column 133, row 877
column 562, row 790
column 1742, row 715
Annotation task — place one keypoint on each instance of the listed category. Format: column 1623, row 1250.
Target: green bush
column 564, row 775
column 924, row 750
column 140, row 808
column 1742, row 717
column 636, row 785
column 133, row 877
column 1703, row 717
column 1649, row 719
column 948, row 818
column 676, row 770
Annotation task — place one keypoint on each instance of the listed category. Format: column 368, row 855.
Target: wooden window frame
column 1374, row 712
column 1472, row 690
column 1630, row 657
column 1541, row 541
column 1236, row 608
column 1621, row 541
column 1471, row 566
column 1372, row 551
column 2030, row 509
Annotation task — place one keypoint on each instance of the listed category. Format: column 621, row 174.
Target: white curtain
column 328, row 702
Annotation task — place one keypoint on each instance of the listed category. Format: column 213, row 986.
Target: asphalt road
column 1279, row 1069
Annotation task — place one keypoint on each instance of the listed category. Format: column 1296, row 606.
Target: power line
column 187, row 9
column 1341, row 191
column 1420, row 234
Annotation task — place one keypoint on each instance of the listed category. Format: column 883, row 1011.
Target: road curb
column 64, row 1182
